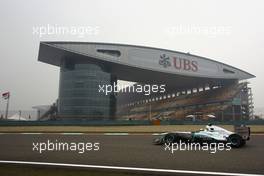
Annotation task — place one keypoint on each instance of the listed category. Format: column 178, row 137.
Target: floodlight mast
column 7, row 106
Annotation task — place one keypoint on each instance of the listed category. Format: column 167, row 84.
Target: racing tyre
column 236, row 140
column 158, row 141
column 169, row 138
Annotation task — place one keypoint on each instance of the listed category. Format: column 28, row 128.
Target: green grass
column 115, row 129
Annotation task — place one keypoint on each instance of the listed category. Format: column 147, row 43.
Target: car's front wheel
column 158, row 141
column 169, row 138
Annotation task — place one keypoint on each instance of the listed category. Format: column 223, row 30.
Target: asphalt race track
column 135, row 151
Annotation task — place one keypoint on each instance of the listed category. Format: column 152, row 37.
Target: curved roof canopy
column 144, row 64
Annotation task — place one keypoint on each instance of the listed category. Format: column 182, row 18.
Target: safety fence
column 124, row 122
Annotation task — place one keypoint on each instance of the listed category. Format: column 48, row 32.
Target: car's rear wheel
column 236, row 140
column 169, row 138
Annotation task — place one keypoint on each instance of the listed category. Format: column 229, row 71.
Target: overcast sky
column 226, row 31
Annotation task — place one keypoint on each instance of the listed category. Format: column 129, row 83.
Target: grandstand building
column 196, row 87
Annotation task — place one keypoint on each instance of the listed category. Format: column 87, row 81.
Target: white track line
column 128, row 168
column 117, row 134
column 158, row 134
column 110, row 134
column 257, row 134
column 70, row 133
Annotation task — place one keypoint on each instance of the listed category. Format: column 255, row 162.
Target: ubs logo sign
column 178, row 63
column 164, row 61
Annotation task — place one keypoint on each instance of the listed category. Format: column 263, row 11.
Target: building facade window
column 78, row 91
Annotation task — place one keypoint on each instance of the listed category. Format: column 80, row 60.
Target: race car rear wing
column 243, row 131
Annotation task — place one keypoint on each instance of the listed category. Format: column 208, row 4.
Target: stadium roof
column 144, row 64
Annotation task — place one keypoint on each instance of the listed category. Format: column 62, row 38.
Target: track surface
column 135, row 151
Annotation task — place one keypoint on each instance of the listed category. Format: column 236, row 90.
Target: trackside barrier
column 122, row 123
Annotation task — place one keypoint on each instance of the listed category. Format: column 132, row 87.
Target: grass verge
column 113, row 129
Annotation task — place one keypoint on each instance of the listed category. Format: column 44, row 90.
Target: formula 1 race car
column 211, row 134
